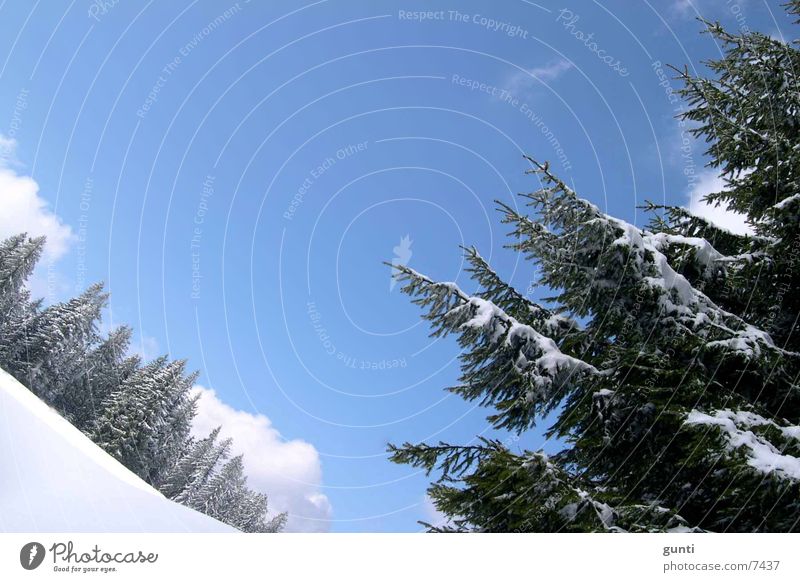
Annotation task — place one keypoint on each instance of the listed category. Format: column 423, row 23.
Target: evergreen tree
column 191, row 473
column 750, row 114
column 55, row 341
column 18, row 257
column 669, row 355
column 102, row 373
column 172, row 431
column 203, row 480
column 145, row 422
column 227, row 498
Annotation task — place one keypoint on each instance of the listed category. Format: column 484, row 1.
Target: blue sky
column 238, row 172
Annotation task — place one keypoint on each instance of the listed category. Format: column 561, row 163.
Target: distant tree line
column 139, row 412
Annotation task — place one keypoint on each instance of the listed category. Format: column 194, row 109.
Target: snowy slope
column 54, row 479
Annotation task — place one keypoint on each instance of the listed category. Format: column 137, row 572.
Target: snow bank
column 55, row 479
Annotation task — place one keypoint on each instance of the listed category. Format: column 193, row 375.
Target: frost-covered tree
column 191, row 473
column 101, row 374
column 225, row 496
column 146, row 422
column 44, row 348
column 18, row 257
column 204, row 479
column 55, row 340
column 668, row 354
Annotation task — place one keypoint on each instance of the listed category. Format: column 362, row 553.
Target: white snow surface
column 53, row 478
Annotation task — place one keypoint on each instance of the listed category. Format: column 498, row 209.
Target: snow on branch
column 515, row 304
column 705, row 253
column 535, row 348
column 584, row 228
column 762, row 454
column 787, row 202
column 514, row 367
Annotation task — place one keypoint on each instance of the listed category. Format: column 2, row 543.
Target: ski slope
column 55, row 479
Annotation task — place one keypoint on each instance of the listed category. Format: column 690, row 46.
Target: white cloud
column 523, row 81
column 289, row 472
column 8, row 146
column 552, row 70
column 23, row 210
column 707, row 8
column 432, row 515
column 709, row 181
column 684, row 7
column 145, row 346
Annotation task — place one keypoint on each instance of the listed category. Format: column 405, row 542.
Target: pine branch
column 509, row 365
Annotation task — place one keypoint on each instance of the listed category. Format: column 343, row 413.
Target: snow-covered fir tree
column 51, row 350
column 226, row 497
column 18, row 257
column 191, row 473
column 668, row 354
column 139, row 424
column 103, row 373
column 204, row 479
